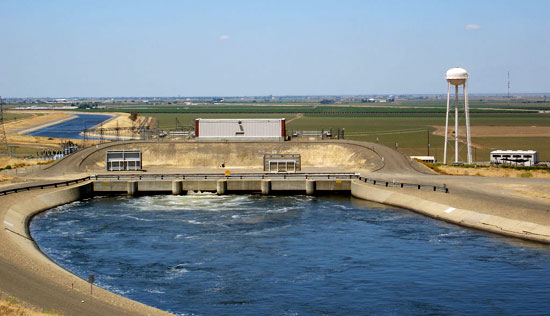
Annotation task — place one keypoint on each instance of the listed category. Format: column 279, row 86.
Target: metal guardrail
column 403, row 184
column 328, row 176
column 44, row 186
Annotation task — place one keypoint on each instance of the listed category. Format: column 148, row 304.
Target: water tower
column 457, row 77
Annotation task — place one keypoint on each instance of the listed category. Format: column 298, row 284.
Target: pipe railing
column 44, row 186
column 404, row 184
column 328, row 176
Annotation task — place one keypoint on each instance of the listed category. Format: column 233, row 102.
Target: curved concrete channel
column 29, row 275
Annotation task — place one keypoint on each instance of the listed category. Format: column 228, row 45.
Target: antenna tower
column 3, row 137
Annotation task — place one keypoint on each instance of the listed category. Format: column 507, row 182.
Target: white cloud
column 224, row 37
column 472, row 27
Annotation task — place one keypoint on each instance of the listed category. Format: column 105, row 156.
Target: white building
column 515, row 157
column 430, row 159
column 240, row 129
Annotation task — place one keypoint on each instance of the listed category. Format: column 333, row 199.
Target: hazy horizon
column 518, row 94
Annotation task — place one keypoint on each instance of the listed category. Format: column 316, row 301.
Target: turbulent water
column 72, row 128
column 204, row 254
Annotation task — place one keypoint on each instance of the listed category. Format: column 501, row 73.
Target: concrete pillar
column 221, row 187
column 266, row 187
column 176, row 187
column 132, row 188
column 310, row 187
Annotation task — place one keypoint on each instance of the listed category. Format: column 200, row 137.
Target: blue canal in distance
column 71, row 129
column 203, row 254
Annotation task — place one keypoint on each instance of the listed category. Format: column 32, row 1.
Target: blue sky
column 231, row 48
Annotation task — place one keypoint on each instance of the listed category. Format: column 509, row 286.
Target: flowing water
column 203, row 254
column 71, row 128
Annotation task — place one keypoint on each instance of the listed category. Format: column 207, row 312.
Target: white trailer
column 515, row 157
column 240, row 129
column 429, row 159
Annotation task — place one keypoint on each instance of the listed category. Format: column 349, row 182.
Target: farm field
column 407, row 129
column 10, row 116
column 410, row 132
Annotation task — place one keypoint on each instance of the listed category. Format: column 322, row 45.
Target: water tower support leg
column 467, row 112
column 447, row 125
column 456, row 123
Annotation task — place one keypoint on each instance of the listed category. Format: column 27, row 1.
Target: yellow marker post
column 227, row 172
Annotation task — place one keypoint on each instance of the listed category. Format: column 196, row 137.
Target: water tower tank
column 456, row 76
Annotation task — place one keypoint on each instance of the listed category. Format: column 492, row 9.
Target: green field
column 410, row 131
column 403, row 125
column 8, row 116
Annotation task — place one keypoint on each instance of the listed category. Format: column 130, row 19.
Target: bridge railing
column 328, row 176
column 404, row 184
column 43, row 186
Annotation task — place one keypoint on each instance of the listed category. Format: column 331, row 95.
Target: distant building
column 430, row 159
column 240, row 129
column 122, row 160
column 515, row 157
column 282, row 162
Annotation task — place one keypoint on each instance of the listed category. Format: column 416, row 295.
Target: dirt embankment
column 241, row 155
column 125, row 124
column 36, row 119
column 12, row 307
column 16, row 128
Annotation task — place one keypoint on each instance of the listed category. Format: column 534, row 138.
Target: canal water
column 71, row 129
column 203, row 254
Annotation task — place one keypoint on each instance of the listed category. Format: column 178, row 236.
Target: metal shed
column 282, row 162
column 122, row 160
column 240, row 129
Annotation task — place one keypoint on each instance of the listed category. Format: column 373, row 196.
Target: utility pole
column 101, row 133
column 3, row 137
column 84, row 136
column 428, row 141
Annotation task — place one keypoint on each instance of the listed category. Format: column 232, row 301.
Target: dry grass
column 11, row 307
column 122, row 120
column 36, row 118
column 28, row 140
column 18, row 163
column 492, row 172
column 531, row 193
